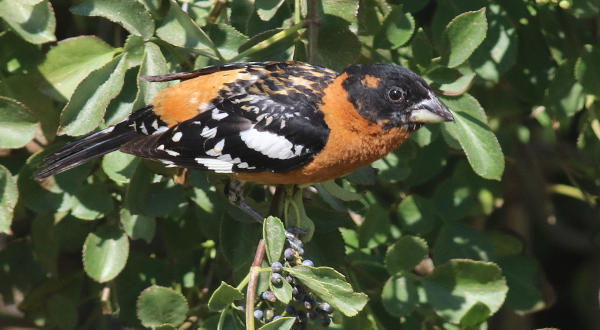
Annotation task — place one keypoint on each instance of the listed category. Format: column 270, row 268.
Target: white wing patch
column 270, row 144
column 219, row 166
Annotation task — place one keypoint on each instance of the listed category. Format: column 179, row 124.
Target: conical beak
column 430, row 110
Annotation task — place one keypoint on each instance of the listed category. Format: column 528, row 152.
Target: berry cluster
column 304, row 305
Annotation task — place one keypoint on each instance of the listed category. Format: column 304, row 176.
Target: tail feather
column 90, row 147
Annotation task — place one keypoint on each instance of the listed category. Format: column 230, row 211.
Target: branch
column 251, row 291
column 313, row 30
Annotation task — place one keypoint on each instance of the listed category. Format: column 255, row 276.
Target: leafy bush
column 436, row 234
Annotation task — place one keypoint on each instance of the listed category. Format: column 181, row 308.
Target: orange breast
column 354, row 142
column 187, row 99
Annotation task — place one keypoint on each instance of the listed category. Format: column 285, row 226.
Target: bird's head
column 393, row 96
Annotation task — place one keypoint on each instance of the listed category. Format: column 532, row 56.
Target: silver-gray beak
column 430, row 110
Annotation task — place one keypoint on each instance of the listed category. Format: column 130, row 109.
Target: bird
column 268, row 122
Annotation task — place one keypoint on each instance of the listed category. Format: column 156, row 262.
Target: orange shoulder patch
column 187, row 99
column 370, row 81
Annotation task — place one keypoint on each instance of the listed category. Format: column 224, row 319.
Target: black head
column 393, row 96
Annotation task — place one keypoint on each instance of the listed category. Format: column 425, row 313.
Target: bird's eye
column 396, row 94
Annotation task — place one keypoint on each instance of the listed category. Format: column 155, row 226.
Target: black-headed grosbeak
column 273, row 123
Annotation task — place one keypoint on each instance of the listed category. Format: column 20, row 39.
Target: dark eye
column 396, row 94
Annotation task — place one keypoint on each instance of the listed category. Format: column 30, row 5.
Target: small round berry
column 290, row 310
column 276, row 267
column 308, row 303
column 308, row 262
column 295, row 291
column 276, row 279
column 299, row 297
column 289, row 279
column 289, row 254
column 269, row 313
column 258, row 314
column 326, row 321
column 326, row 308
column 268, row 296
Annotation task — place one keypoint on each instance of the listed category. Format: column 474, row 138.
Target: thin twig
column 251, row 292
column 313, row 30
column 276, row 201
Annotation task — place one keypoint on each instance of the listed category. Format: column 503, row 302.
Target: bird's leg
column 235, row 194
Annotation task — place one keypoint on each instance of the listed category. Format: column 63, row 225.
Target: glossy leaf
column 105, row 253
column 119, row 166
column 138, row 226
column 274, row 236
column 346, row 9
column 475, row 137
column 398, row 27
column 283, row 292
column 88, row 103
column 330, row 286
column 153, row 64
column 33, row 21
column 405, row 254
column 17, row 124
column 67, row 64
column 284, row 323
column 92, row 202
column 130, row 14
column 8, row 199
column 223, row 296
column 266, row 9
column 158, row 306
column 462, row 36
column 226, row 38
column 466, row 291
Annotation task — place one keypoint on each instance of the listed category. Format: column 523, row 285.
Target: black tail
column 92, row 146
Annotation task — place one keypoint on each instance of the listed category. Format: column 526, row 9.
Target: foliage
column 494, row 214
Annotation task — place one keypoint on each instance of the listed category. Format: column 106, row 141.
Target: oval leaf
column 105, row 253
column 70, row 61
column 34, row 21
column 92, row 202
column 224, row 295
column 587, row 69
column 138, row 226
column 284, row 323
column 90, row 99
column 266, row 9
column 17, row 124
column 178, row 29
column 466, row 291
column 119, row 166
column 462, row 36
column 158, row 306
column 475, row 137
column 274, row 235
column 130, row 14
column 153, row 63
column 8, row 199
column 405, row 254
column 282, row 292
column 332, row 287
column 399, row 296
column 397, row 29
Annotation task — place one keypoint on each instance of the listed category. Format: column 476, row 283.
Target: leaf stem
column 268, row 42
column 313, row 30
column 251, row 292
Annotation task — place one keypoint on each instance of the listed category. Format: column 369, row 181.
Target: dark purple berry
column 276, row 267
column 268, row 296
column 276, row 279
column 290, row 310
column 308, row 303
column 326, row 308
column 289, row 279
column 258, row 314
column 326, row 321
column 308, row 263
column 312, row 315
column 295, row 291
column 289, row 254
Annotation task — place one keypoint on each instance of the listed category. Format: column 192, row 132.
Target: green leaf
column 475, row 137
column 565, row 96
column 130, row 14
column 238, row 242
column 338, row 46
column 67, row 64
column 8, row 199
column 153, row 64
column 153, row 199
column 266, row 9
column 422, row 49
column 375, row 228
column 17, row 124
column 61, row 311
column 462, row 36
column 138, row 226
column 405, row 254
column 105, row 253
column 157, row 306
column 284, row 323
column 466, row 291
column 457, row 240
column 587, row 69
column 330, row 286
column 223, row 296
column 283, row 292
column 178, row 29
column 274, row 236
column 120, row 107
column 92, row 201
column 339, row 192
column 397, row 29
column 399, row 296
column 119, row 166
column 346, row 9
column 33, row 21
column 89, row 101
column 226, row 38
column 417, row 214
column 295, row 215
column 522, row 277
column 273, row 44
